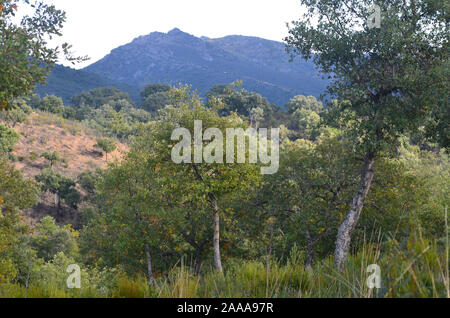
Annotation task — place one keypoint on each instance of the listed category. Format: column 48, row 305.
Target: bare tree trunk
column 310, row 250
column 216, row 239
column 346, row 229
column 151, row 280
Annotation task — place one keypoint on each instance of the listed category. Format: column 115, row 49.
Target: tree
column 51, row 239
column 187, row 186
column 305, row 197
column 239, row 101
column 155, row 97
column 62, row 187
column 52, row 104
column 68, row 192
column 438, row 127
column 384, row 78
column 16, row 192
column 315, row 184
column 87, row 181
column 307, row 123
column 256, row 115
column 25, row 55
column 8, row 138
column 107, row 145
column 129, row 227
column 98, row 97
column 303, row 102
column 52, row 157
column 151, row 89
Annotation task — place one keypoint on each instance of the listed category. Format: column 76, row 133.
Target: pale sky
column 95, row 27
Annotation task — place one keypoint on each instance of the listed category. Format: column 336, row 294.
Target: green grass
column 416, row 268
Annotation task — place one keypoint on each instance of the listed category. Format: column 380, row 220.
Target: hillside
column 175, row 57
column 46, row 132
column 66, row 82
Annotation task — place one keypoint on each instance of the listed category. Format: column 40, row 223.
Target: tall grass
column 415, row 267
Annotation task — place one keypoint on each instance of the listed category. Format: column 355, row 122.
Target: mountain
column 179, row 57
column 66, row 82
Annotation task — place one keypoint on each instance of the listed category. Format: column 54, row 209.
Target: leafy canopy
column 25, row 55
column 385, row 78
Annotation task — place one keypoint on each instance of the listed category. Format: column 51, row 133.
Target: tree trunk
column 346, row 229
column 216, row 239
column 59, row 205
column 151, row 280
column 198, row 262
column 310, row 250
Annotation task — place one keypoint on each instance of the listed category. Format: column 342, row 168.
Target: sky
column 95, row 27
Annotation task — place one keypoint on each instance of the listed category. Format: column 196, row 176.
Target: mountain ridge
column 179, row 57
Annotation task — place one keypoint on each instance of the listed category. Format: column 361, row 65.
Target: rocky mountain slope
column 178, row 57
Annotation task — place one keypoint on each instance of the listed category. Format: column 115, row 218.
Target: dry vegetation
column 45, row 132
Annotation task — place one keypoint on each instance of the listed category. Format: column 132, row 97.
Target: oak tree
column 385, row 77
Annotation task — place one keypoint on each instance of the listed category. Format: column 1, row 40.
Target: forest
column 362, row 186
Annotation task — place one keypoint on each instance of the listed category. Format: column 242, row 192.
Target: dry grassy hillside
column 46, row 132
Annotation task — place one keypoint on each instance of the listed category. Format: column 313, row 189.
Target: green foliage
column 11, row 229
column 304, row 103
column 52, row 104
column 108, row 111
column 25, row 55
column 155, row 97
column 433, row 171
column 122, row 123
column 68, row 192
column 51, row 239
column 239, row 101
column 126, row 218
column 387, row 80
column 148, row 193
column 18, row 114
column 384, row 73
column 107, row 145
column 87, row 181
column 16, row 192
column 153, row 89
column 52, row 157
column 50, row 180
column 99, row 97
column 63, row 188
column 308, row 123
column 277, row 232
column 8, row 138
column 437, row 128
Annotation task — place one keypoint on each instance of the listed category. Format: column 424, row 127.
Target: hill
column 66, row 82
column 175, row 57
column 45, row 132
